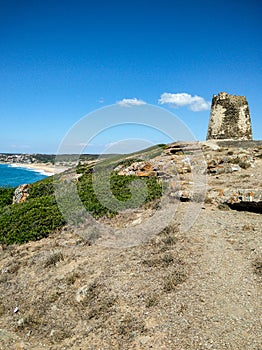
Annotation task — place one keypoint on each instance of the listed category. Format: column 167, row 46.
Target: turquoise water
column 13, row 177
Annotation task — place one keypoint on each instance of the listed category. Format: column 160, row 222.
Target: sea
column 12, row 176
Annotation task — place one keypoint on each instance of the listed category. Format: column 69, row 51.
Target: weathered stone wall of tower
column 229, row 118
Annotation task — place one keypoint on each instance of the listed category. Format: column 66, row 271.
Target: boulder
column 20, row 194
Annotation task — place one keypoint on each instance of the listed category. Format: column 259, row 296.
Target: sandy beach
column 44, row 169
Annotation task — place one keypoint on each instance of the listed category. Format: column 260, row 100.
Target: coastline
column 47, row 170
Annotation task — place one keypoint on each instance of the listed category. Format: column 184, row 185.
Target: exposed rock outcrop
column 20, row 194
column 224, row 167
column 229, row 118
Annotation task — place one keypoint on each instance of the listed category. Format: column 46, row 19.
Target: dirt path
column 228, row 315
column 182, row 291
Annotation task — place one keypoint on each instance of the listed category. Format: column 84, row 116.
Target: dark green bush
column 41, row 188
column 39, row 215
column 31, row 220
column 6, row 196
column 121, row 190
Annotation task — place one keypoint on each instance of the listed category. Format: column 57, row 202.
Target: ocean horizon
column 13, row 176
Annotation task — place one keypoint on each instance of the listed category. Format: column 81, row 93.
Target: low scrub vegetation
column 34, row 219
column 39, row 215
column 6, row 196
column 121, row 189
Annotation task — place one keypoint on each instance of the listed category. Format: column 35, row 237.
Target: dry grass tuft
column 174, row 279
column 131, row 326
column 101, row 308
column 258, row 266
column 152, row 300
column 72, row 277
column 53, row 258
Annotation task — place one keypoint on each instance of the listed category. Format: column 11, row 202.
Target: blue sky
column 61, row 60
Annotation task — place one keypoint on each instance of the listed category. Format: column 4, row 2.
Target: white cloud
column 129, row 102
column 195, row 103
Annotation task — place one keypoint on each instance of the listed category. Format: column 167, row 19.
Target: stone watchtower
column 229, row 118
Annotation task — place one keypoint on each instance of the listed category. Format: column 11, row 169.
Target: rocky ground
column 183, row 290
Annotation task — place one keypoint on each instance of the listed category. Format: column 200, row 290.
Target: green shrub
column 120, row 188
column 129, row 161
column 31, row 220
column 39, row 215
column 41, row 188
column 6, row 196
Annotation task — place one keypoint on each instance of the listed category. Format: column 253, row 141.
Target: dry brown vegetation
column 193, row 290
column 156, row 296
